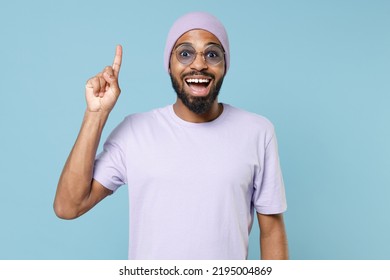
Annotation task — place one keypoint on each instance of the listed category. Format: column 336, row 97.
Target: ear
column 169, row 65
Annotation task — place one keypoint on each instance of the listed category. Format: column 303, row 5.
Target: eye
column 212, row 54
column 185, row 53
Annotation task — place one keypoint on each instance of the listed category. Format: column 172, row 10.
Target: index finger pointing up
column 116, row 65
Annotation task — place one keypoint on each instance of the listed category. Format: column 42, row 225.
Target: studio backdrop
column 319, row 70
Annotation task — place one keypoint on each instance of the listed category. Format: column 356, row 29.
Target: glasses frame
column 178, row 57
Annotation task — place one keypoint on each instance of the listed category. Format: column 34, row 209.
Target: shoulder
column 137, row 122
column 248, row 119
column 145, row 118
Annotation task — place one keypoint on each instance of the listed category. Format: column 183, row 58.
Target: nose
column 199, row 62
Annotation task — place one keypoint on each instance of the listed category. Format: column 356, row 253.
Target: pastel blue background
column 318, row 69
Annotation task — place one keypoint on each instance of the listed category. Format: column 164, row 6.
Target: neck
column 187, row 115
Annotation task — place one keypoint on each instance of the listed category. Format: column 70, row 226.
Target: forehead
column 198, row 38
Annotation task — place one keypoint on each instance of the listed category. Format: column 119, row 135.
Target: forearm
column 74, row 185
column 273, row 237
column 274, row 246
column 77, row 192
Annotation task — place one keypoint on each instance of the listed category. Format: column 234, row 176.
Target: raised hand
column 102, row 91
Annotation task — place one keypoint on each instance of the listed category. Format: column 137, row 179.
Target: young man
column 196, row 170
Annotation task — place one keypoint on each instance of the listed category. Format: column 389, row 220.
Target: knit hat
column 196, row 20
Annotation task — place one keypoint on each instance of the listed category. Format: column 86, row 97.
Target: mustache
column 198, row 73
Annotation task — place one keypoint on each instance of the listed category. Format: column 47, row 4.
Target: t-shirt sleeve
column 110, row 164
column 269, row 193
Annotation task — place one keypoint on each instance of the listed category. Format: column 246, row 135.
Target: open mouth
column 199, row 86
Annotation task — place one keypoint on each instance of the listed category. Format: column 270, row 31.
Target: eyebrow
column 207, row 45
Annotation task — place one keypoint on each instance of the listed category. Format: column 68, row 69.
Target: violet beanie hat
column 196, row 20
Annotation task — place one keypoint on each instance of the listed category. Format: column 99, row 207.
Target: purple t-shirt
column 193, row 187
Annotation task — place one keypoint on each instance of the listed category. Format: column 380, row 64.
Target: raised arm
column 77, row 192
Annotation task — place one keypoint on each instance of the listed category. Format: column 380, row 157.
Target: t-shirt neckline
column 180, row 121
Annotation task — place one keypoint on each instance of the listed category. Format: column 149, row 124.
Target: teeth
column 197, row 81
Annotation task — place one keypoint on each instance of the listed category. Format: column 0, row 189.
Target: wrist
column 99, row 117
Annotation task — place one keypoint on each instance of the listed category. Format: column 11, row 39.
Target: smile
column 198, row 86
column 198, row 81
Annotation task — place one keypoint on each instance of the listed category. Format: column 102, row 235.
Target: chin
column 197, row 104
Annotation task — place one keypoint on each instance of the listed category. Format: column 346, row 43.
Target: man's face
column 197, row 84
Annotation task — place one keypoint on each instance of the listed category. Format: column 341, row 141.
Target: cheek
column 219, row 71
column 220, row 74
column 175, row 70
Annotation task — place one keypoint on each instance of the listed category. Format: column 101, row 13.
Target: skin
column 199, row 39
column 77, row 192
column 273, row 237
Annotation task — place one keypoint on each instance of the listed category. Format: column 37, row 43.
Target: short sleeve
column 110, row 164
column 269, row 193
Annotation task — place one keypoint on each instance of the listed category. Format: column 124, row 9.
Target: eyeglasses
column 212, row 55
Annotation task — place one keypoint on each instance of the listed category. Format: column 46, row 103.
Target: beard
column 197, row 104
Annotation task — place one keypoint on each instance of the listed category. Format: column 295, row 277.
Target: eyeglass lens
column 186, row 54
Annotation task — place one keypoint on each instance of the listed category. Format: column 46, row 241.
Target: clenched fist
column 102, row 91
